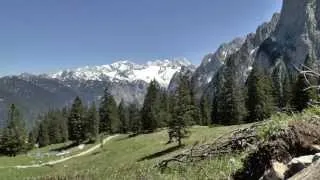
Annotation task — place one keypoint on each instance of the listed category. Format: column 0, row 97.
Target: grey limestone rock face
column 211, row 64
column 174, row 83
column 277, row 46
column 296, row 36
column 243, row 58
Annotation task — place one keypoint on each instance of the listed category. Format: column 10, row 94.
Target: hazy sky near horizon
column 38, row 36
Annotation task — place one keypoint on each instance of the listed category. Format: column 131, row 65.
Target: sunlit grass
column 121, row 158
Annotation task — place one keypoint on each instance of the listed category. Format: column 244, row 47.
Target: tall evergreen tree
column 195, row 106
column 303, row 95
column 135, row 125
column 105, row 124
column 287, row 93
column 14, row 138
column 124, row 117
column 281, row 83
column 151, row 108
column 33, row 134
column 108, row 113
column 76, row 121
column 205, row 111
column 164, row 112
column 54, row 131
column 92, row 125
column 43, row 137
column 32, row 139
column 230, row 101
column 182, row 115
column 260, row 98
column 64, row 124
column 214, row 111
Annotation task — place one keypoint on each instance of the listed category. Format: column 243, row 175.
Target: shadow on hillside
column 69, row 146
column 96, row 153
column 66, row 147
column 161, row 153
column 127, row 137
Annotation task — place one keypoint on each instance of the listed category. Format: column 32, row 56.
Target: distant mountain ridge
column 126, row 80
column 277, row 46
column 160, row 70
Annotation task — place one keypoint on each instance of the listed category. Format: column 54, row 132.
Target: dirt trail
column 50, row 163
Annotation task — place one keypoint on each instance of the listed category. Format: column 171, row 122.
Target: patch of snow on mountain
column 253, row 51
column 160, row 70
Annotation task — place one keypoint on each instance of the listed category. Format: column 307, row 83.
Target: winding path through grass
column 50, row 163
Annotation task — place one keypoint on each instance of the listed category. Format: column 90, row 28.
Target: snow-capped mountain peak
column 161, row 70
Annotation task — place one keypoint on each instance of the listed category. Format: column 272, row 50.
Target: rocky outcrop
column 211, row 63
column 292, row 146
column 296, row 36
column 276, row 172
column 174, row 83
column 287, row 41
column 299, row 168
column 243, row 58
column 310, row 173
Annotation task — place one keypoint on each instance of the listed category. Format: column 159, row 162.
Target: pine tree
column 164, row 112
column 14, row 138
column 33, row 135
column 182, row 112
column 105, row 124
column 288, row 94
column 64, row 124
column 215, row 119
column 124, row 117
column 281, row 83
column 108, row 113
column 92, row 121
column 43, row 137
column 260, row 100
column 302, row 95
column 135, row 125
column 54, row 132
column 195, row 110
column 214, row 111
column 230, row 100
column 151, row 108
column 205, row 111
column 76, row 122
column 32, row 139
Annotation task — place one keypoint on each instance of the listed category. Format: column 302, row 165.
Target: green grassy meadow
column 128, row 158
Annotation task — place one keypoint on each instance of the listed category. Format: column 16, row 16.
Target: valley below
column 249, row 111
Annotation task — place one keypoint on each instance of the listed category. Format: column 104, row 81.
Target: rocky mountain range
column 296, row 36
column 126, row 80
column 243, row 58
column 278, row 46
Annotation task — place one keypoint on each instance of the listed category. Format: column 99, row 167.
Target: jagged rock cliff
column 296, row 36
column 211, row 63
column 174, row 83
column 289, row 40
column 243, row 58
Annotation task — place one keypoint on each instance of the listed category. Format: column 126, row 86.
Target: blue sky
column 46, row 35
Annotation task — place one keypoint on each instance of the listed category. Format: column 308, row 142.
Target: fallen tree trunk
column 232, row 142
column 298, row 139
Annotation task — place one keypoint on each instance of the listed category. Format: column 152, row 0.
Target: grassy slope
column 119, row 159
column 31, row 156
